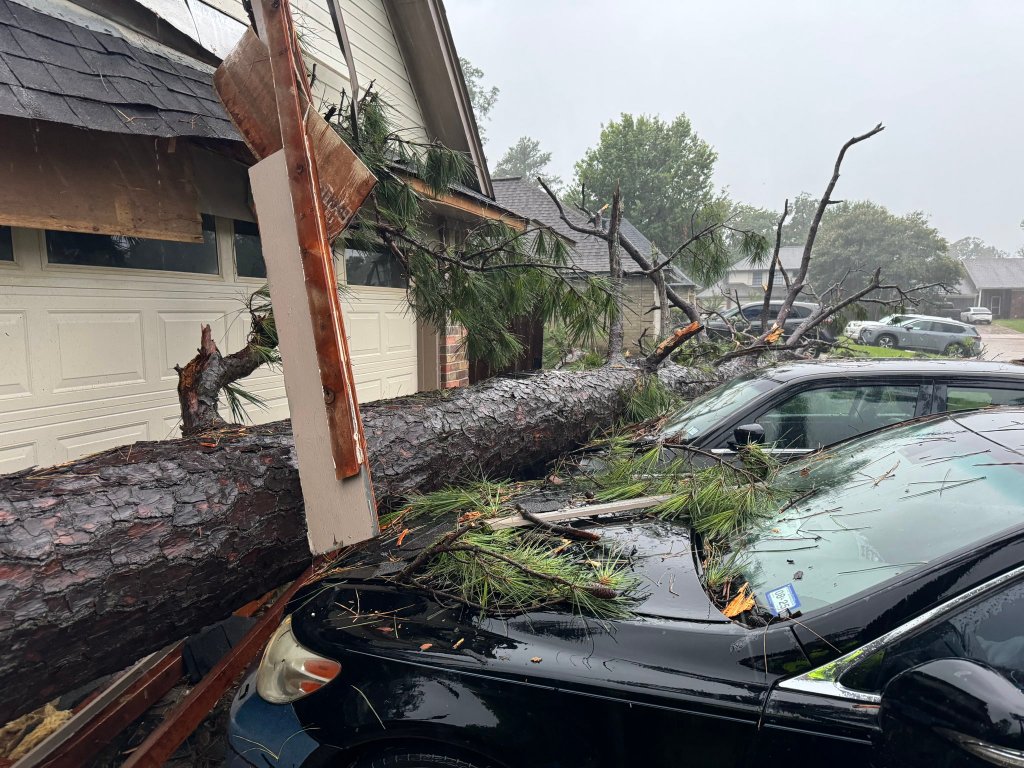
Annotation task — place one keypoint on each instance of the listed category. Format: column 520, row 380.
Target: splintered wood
column 306, row 187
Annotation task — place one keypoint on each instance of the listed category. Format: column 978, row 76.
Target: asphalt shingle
column 995, row 273
column 589, row 253
column 61, row 72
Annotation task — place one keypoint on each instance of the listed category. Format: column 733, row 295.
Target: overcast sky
column 777, row 87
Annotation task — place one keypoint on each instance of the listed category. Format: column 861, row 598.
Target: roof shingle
column 589, row 253
column 61, row 72
column 995, row 273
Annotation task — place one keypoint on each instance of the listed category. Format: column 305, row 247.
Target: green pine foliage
column 512, row 570
column 482, row 277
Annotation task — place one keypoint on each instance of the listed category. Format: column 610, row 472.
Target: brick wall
column 453, row 365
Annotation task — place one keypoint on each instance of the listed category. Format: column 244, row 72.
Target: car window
column 752, row 313
column 889, row 503
column 800, row 312
column 918, row 325
column 990, row 630
column 970, row 398
column 706, row 411
column 819, row 417
column 949, row 328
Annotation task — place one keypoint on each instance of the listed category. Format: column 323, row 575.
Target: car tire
column 955, row 350
column 415, row 758
column 886, row 341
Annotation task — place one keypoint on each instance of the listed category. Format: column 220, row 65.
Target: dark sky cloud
column 777, row 87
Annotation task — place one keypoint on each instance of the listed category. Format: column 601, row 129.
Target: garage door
column 89, row 351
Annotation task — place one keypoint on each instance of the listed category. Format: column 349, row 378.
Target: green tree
column 525, row 158
column 664, row 169
column 857, row 238
column 975, row 248
column 481, row 97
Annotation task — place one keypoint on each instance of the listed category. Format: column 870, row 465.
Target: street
column 1001, row 343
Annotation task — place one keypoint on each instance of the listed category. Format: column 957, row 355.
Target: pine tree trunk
column 113, row 556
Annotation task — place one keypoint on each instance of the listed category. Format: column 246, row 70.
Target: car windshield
column 889, row 503
column 707, row 410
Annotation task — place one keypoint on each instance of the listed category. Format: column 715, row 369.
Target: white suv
column 977, row 315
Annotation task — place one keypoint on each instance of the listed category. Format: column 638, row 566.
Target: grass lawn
column 1017, row 325
column 866, row 350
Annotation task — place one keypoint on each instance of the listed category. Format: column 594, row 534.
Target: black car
column 803, row 406
column 746, row 318
column 896, row 588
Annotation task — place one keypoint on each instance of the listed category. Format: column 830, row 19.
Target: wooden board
column 243, row 83
column 578, row 513
column 57, row 177
column 336, row 509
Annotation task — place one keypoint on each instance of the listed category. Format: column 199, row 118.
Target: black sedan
column 892, row 583
column 800, row 407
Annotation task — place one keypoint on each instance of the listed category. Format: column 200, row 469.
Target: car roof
column 811, row 369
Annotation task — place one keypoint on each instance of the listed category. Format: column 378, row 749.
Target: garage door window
column 6, row 246
column 378, row 268
column 248, row 250
column 89, row 250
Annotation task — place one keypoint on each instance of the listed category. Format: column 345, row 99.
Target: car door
column 831, row 411
column 831, row 713
column 917, row 334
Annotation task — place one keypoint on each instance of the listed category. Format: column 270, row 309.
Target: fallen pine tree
column 115, row 555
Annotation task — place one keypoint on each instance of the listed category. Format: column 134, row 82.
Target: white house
column 125, row 216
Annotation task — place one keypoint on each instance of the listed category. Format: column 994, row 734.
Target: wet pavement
column 1003, row 344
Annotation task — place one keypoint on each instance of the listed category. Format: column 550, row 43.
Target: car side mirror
column 745, row 434
column 952, row 712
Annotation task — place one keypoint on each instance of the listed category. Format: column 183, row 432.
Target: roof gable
column 995, row 273
column 588, row 253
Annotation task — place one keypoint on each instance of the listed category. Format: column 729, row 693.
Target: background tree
column 975, row 248
column 482, row 98
column 665, row 170
column 525, row 158
column 857, row 238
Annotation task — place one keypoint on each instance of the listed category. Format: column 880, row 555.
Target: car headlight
column 288, row 671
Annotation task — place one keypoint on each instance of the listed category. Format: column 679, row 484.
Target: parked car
column 747, row 319
column 945, row 336
column 799, row 407
column 853, row 328
column 894, row 585
column 977, row 315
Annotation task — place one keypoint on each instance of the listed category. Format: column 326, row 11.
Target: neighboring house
column 746, row 281
column 994, row 283
column 590, row 254
column 126, row 220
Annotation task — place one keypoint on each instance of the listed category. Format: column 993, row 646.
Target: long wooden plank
column 579, row 513
column 186, row 716
column 315, row 248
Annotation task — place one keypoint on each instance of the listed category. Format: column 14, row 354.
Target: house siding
column 377, row 56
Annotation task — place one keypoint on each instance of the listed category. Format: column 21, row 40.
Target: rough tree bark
column 111, row 557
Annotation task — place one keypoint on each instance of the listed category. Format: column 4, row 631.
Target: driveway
column 1001, row 343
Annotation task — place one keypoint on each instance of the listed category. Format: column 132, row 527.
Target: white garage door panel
column 98, row 349
column 82, row 444
column 14, row 381
column 180, row 334
column 382, row 342
column 17, row 457
column 87, row 356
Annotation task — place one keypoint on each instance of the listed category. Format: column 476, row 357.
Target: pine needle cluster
column 522, row 570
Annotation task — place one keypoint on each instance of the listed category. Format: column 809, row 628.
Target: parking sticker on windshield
column 782, row 599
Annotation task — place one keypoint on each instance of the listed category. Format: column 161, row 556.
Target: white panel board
column 338, row 512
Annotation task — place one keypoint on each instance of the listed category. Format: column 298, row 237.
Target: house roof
column 995, row 273
column 589, row 253
column 54, row 69
column 790, row 257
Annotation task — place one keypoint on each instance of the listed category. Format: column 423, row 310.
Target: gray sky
column 777, row 87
